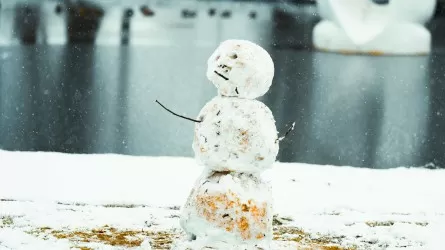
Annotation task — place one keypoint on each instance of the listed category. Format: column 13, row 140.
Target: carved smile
column 220, row 75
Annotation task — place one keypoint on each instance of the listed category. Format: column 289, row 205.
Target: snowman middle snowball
column 235, row 135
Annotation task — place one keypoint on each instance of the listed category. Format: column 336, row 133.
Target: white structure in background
column 201, row 23
column 49, row 26
column 53, row 28
column 361, row 26
column 7, row 23
column 154, row 28
column 230, row 206
column 109, row 32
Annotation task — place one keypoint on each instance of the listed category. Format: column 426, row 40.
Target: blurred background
column 83, row 77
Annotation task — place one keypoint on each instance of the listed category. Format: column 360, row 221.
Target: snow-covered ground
column 61, row 201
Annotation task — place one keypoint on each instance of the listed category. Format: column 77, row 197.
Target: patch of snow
column 11, row 238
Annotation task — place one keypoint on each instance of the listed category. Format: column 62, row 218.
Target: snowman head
column 239, row 68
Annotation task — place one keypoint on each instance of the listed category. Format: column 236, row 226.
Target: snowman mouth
column 220, row 75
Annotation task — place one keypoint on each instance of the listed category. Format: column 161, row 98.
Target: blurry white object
column 109, row 32
column 7, row 29
column 361, row 26
column 361, row 20
column 53, row 28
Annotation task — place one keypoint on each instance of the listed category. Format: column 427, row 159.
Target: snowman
column 230, row 206
column 237, row 132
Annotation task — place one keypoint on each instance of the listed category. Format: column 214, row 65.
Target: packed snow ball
column 236, row 135
column 240, row 68
column 231, row 207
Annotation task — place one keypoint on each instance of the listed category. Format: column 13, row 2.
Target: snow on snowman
column 230, row 206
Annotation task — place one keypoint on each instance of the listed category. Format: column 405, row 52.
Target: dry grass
column 379, row 223
column 391, row 223
column 163, row 239
column 122, row 206
column 307, row 241
column 111, row 236
column 6, row 221
column 7, row 200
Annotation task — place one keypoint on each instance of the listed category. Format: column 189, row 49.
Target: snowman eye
column 233, row 56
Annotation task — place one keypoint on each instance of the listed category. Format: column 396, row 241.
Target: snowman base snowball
column 229, row 206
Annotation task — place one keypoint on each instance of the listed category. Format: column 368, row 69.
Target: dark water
column 349, row 110
column 361, row 111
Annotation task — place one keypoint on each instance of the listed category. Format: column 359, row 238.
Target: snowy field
column 61, row 201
